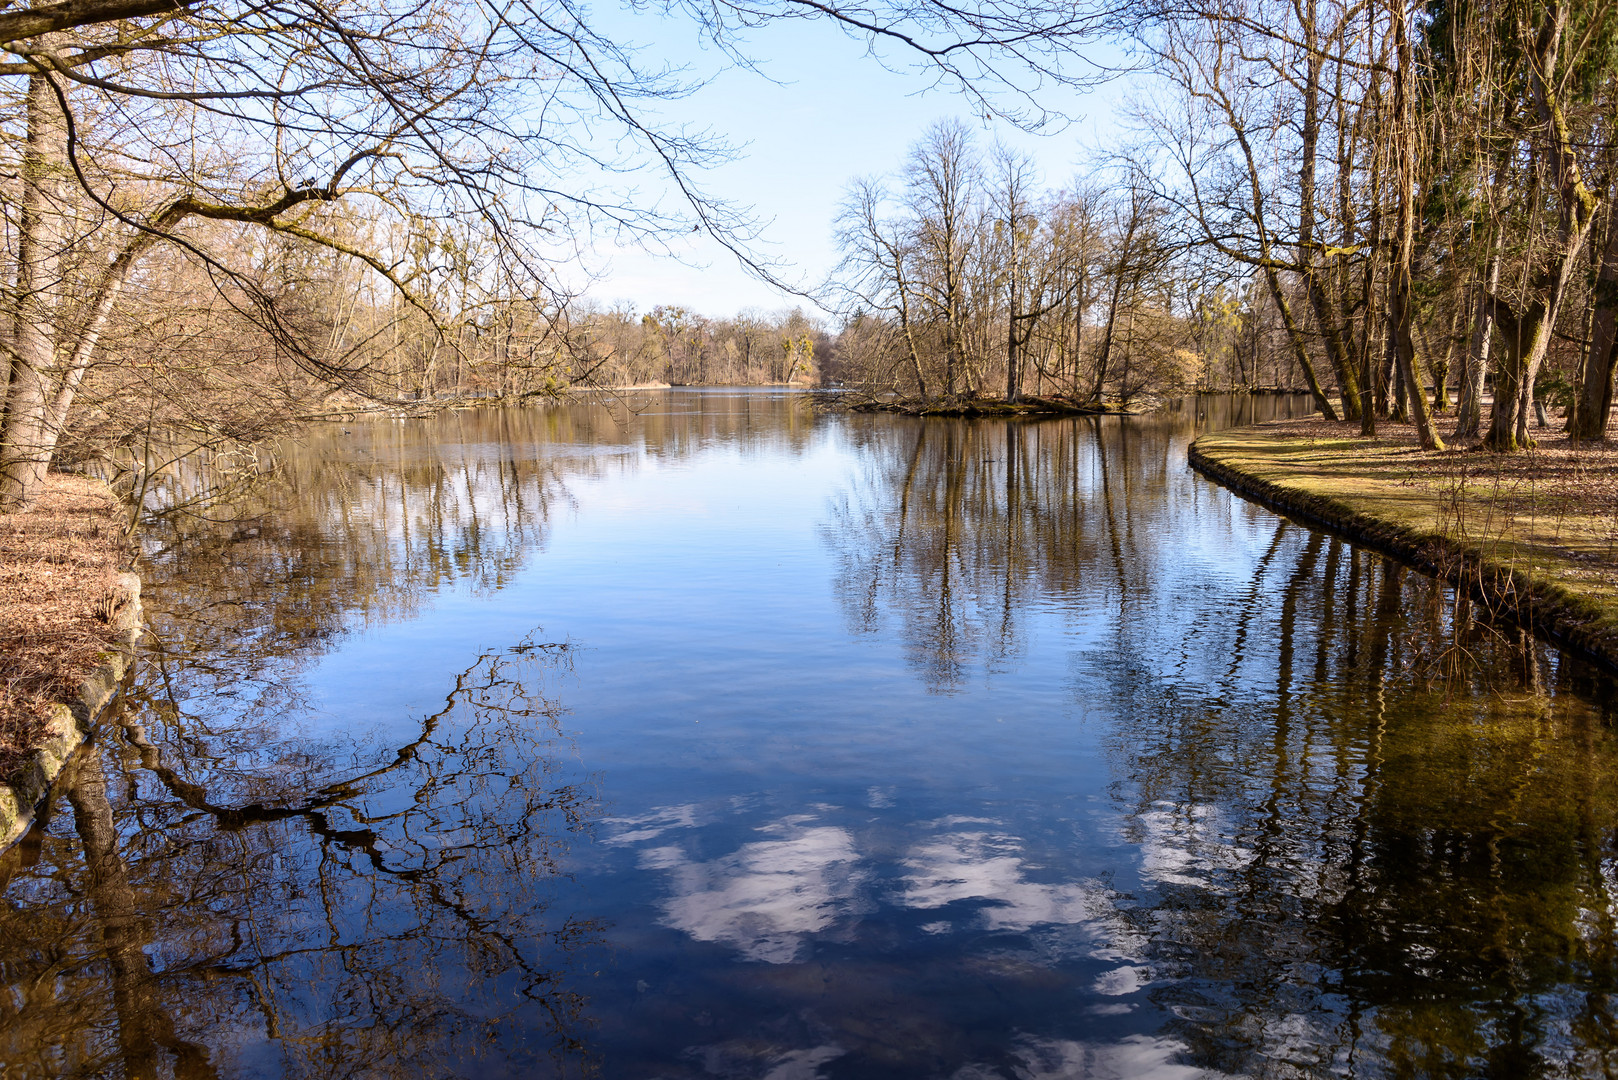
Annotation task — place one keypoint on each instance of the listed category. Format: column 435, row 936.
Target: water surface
column 707, row 735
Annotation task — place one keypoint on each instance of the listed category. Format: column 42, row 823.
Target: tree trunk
column 1594, row 406
column 1013, row 367
column 1508, row 429
column 25, row 445
column 1523, row 336
column 1336, row 350
column 1325, row 317
column 1107, row 334
column 1300, row 349
column 1398, row 404
column 1469, row 409
column 1373, row 393
column 1401, row 305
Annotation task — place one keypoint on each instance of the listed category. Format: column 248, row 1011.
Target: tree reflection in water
column 1377, row 832
column 962, row 531
column 1262, row 804
column 237, row 897
column 392, row 922
column 1422, row 880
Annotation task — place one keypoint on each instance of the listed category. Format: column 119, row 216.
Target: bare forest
column 220, row 222
column 220, row 219
column 1355, row 199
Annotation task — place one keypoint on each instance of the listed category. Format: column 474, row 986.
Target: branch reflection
column 392, row 922
column 1376, row 832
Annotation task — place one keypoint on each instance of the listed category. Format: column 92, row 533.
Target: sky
column 820, row 114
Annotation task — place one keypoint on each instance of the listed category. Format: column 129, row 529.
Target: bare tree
column 941, row 182
column 139, row 120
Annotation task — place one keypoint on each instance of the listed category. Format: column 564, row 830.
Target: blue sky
column 831, row 113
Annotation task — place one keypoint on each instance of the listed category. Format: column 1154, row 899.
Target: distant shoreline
column 991, row 407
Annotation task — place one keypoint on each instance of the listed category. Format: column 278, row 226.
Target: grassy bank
column 1532, row 535
column 59, row 566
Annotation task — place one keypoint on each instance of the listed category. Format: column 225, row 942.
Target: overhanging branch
column 31, row 22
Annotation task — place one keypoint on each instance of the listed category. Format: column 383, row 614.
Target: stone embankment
column 1534, row 537
column 69, row 622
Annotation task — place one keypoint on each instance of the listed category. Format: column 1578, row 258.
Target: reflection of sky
column 1134, row 1057
column 784, row 887
column 807, row 836
column 765, row 898
column 1137, row 1057
column 791, row 798
column 1185, row 845
column 746, row 1057
column 988, row 867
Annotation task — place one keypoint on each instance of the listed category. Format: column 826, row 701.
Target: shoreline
column 71, row 618
column 1535, row 555
column 1035, row 405
column 995, row 407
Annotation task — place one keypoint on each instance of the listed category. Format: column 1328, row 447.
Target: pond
column 710, row 734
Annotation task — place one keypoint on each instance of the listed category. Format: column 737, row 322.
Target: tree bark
column 25, row 449
column 1469, row 409
column 1513, row 396
column 1401, row 305
column 1325, row 317
column 1594, row 406
column 1300, row 350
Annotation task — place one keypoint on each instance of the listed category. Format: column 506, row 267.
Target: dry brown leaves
column 57, row 567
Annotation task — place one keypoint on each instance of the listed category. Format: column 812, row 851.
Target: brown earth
column 57, row 569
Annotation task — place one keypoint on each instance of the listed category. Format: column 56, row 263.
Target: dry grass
column 1560, row 496
column 57, row 567
column 1549, row 514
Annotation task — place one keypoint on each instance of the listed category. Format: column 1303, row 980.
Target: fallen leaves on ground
column 58, row 564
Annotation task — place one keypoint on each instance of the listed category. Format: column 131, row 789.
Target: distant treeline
column 678, row 346
column 1095, row 309
column 202, row 362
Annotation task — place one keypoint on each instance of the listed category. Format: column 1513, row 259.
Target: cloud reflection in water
column 767, row 897
column 1137, row 1057
column 806, row 877
column 1186, row 844
column 989, row 866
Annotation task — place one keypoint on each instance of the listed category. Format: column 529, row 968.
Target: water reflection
column 391, row 921
column 767, row 897
column 960, row 533
column 852, row 747
column 1409, row 863
column 1374, row 830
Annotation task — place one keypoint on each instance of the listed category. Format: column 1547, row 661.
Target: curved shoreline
column 70, row 723
column 1534, row 598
